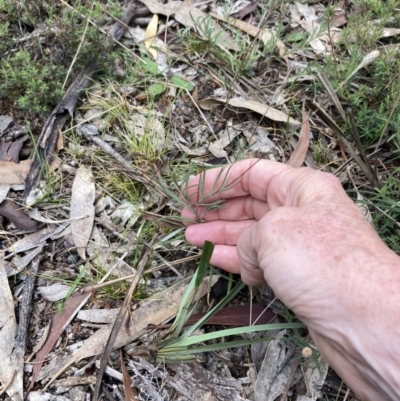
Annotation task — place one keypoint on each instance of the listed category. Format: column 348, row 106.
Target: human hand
column 296, row 229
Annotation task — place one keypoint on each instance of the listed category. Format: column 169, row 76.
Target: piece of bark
column 24, row 318
column 82, row 209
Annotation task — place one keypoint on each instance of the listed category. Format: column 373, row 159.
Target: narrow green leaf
column 208, row 249
column 211, row 313
column 214, row 347
column 181, row 83
column 237, row 331
column 73, row 288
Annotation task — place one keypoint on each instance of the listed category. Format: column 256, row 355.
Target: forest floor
column 106, row 109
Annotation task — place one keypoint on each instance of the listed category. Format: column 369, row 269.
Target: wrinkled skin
column 296, row 229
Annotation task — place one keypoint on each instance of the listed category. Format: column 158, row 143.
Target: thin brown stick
column 140, row 265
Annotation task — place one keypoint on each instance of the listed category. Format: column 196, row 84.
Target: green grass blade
column 194, row 284
column 210, row 314
column 209, row 348
column 204, row 263
column 239, row 330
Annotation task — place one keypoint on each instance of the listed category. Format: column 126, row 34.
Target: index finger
column 275, row 183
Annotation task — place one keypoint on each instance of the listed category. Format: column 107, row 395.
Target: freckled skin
column 298, row 230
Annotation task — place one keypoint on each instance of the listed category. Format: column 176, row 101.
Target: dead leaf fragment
column 299, row 154
column 264, row 110
column 190, row 16
column 149, row 36
column 19, row 218
column 131, row 393
column 98, row 315
column 13, row 173
column 82, row 209
column 54, row 292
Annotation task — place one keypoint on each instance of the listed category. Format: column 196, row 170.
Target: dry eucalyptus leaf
column 131, row 393
column 13, row 173
column 54, row 292
column 191, row 17
column 266, row 111
column 34, row 240
column 265, row 35
column 224, row 139
column 19, row 218
column 82, row 209
column 149, row 36
column 307, row 12
column 100, row 316
column 18, row 263
column 154, row 310
column 299, row 154
column 10, row 371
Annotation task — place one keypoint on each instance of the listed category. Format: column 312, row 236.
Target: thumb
column 248, row 258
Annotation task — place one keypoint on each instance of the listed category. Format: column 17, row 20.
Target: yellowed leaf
column 263, row 109
column 150, row 35
column 12, row 173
